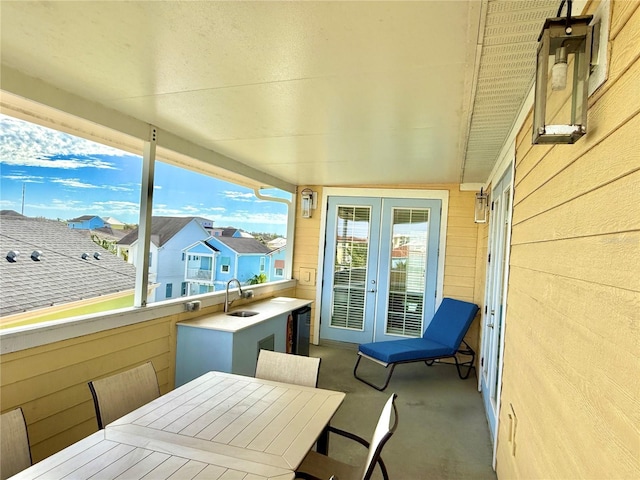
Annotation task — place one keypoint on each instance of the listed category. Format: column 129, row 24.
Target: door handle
column 490, row 325
column 371, row 291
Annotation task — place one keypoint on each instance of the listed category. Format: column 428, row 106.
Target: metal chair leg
column 379, row 388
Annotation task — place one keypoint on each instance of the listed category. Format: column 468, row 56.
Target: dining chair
column 15, row 454
column 316, row 466
column 288, row 368
column 119, row 394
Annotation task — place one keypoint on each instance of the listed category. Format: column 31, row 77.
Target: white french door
column 495, row 301
column 380, row 268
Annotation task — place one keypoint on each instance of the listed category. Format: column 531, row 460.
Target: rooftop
column 58, row 274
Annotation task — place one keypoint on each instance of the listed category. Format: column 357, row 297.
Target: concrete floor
column 442, row 429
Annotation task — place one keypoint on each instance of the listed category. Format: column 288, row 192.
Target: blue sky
column 65, row 177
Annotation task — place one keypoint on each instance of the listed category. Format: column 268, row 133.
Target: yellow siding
column 50, row 382
column 305, row 255
column 460, row 260
column 572, row 339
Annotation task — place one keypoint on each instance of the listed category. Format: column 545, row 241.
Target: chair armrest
column 349, row 435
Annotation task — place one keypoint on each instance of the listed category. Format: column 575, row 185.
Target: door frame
column 505, row 284
column 442, row 195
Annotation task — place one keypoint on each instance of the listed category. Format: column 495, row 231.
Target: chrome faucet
column 227, row 303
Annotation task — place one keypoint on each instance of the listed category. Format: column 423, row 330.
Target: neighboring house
column 232, row 254
column 114, row 223
column 169, row 236
column 276, row 263
column 11, row 213
column 199, row 269
column 277, row 243
column 229, row 232
column 55, row 268
column 86, row 222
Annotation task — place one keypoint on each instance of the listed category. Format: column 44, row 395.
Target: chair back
column 15, row 454
column 119, row 394
column 451, row 322
column 382, row 433
column 288, row 368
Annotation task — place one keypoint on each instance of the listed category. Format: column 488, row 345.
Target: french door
column 492, row 338
column 380, row 268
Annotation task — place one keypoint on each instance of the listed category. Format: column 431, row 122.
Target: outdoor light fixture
column 562, row 79
column 308, row 202
column 482, row 207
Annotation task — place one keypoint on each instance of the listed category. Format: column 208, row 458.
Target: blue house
column 276, row 262
column 86, row 222
column 229, row 254
column 199, row 267
column 167, row 259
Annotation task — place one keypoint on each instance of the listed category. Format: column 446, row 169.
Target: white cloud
column 115, row 208
column 164, row 210
column 27, row 144
column 77, row 183
column 118, row 205
column 239, row 196
column 7, row 204
column 245, row 217
column 117, row 188
column 73, row 182
column 25, row 178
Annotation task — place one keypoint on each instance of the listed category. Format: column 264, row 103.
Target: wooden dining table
column 219, row 425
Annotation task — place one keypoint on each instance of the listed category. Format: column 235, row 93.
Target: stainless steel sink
column 242, row 313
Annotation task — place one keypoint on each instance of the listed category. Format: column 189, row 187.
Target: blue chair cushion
column 407, row 349
column 450, row 322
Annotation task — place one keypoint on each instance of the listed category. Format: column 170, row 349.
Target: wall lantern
column 562, row 77
column 482, row 207
column 308, row 202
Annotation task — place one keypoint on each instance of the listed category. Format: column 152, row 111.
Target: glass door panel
column 408, row 267
column 353, row 226
column 408, row 260
column 350, row 267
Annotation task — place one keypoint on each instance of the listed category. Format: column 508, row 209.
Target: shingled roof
column 60, row 275
column 83, row 218
column 162, row 230
column 242, row 244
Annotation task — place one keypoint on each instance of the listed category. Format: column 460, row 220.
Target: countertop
column 266, row 309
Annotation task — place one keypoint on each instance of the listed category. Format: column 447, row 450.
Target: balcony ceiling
column 327, row 93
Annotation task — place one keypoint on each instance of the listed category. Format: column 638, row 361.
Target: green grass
column 105, row 306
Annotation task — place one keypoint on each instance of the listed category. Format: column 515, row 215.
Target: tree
column 257, row 278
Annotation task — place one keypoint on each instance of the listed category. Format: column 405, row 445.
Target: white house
column 169, row 236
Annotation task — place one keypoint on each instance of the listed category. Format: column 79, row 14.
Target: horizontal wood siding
column 305, row 254
column 572, row 339
column 460, row 260
column 50, row 382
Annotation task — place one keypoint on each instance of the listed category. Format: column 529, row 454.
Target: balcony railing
column 200, row 275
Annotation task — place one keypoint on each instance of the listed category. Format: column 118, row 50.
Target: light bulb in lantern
column 559, row 70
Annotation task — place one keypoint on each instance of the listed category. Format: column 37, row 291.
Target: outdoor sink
column 243, row 313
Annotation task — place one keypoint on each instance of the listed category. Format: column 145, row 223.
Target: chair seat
column 323, row 467
column 410, row 349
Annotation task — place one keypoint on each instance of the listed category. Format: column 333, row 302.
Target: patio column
column 144, row 222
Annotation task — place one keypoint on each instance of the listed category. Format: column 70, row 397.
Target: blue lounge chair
column 441, row 339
